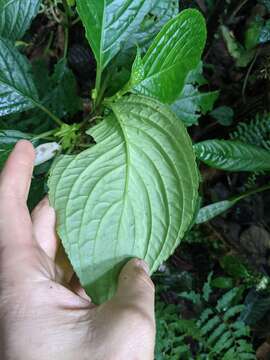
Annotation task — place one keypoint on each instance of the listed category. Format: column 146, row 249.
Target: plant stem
column 49, row 113
column 98, row 84
column 236, row 11
column 45, row 135
column 251, row 192
column 66, row 26
column 66, row 41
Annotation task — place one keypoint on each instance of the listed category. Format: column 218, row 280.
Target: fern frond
column 257, row 132
column 223, row 335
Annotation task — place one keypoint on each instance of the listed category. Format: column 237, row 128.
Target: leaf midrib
column 127, row 174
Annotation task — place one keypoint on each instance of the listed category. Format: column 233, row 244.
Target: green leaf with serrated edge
column 175, row 51
column 16, row 17
column 109, row 23
column 17, row 90
column 192, row 102
column 132, row 194
column 232, row 155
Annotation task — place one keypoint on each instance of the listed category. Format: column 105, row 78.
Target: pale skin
column 44, row 317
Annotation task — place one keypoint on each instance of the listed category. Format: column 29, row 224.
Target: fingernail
column 143, row 265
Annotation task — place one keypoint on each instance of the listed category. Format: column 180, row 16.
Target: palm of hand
column 44, row 316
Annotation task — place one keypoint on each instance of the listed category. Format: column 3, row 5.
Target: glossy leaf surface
column 175, row 51
column 232, row 155
column 17, row 90
column 133, row 194
column 108, row 23
column 16, row 17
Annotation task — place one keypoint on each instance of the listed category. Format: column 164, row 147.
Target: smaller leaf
column 175, row 51
column 207, row 289
column 234, row 267
column 222, row 282
column 223, row 114
column 232, row 155
column 209, row 212
column 226, row 300
column 191, row 102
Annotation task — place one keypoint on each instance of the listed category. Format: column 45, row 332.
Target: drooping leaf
column 109, row 23
column 191, row 102
column 176, row 50
column 223, row 114
column 133, row 194
column 232, row 155
column 17, row 90
column 16, row 17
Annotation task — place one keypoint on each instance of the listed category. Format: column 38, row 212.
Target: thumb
column 136, row 295
column 135, row 287
column 128, row 318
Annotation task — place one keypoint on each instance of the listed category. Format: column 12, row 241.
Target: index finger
column 15, row 178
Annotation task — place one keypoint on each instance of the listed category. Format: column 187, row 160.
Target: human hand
column 42, row 317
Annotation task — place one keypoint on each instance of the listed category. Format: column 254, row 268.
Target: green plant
column 127, row 182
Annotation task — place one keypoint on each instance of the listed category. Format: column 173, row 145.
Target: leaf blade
column 16, row 17
column 108, row 24
column 232, row 155
column 174, row 52
column 17, row 89
column 136, row 176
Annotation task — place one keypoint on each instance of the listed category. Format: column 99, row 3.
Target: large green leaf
column 176, row 50
column 232, row 155
column 17, row 90
column 133, row 194
column 108, row 23
column 16, row 17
